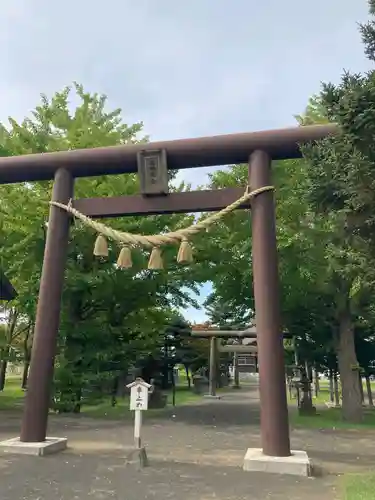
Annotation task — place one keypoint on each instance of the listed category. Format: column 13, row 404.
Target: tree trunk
column 173, row 388
column 188, row 376
column 165, row 377
column 11, row 326
column 219, row 375
column 78, row 401
column 212, row 377
column 25, row 373
column 296, row 360
column 68, row 391
column 336, row 389
column 369, row 391
column 27, row 343
column 306, row 407
column 308, row 377
column 361, row 388
column 290, row 388
column 114, row 391
column 316, row 382
column 331, row 388
column 236, row 371
column 352, row 410
column 3, row 368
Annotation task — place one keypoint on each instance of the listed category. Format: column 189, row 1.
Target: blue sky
column 201, row 67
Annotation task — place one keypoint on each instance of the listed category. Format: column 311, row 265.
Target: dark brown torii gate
column 259, row 149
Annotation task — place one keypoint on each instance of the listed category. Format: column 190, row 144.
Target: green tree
column 298, row 243
column 310, row 265
column 12, row 333
column 222, row 315
column 110, row 317
column 341, row 194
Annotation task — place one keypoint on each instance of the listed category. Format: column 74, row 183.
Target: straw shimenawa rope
column 154, row 241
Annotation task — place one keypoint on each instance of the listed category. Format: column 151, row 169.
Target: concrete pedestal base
column 47, row 447
column 298, row 464
column 210, row 396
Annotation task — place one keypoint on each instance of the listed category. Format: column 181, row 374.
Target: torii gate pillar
column 35, row 415
column 273, row 399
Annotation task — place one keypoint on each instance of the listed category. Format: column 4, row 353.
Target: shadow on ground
column 219, row 413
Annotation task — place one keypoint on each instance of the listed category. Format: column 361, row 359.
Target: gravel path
column 195, row 451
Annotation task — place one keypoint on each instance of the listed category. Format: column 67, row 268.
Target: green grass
column 324, row 395
column 359, row 487
column 327, row 418
column 330, row 418
column 13, row 396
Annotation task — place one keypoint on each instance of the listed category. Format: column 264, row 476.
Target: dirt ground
column 195, row 452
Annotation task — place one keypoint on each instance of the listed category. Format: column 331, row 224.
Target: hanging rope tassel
column 185, row 253
column 156, row 260
column 154, row 241
column 101, row 246
column 124, row 260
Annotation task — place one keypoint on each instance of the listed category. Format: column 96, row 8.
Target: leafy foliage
column 326, row 235
column 110, row 318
